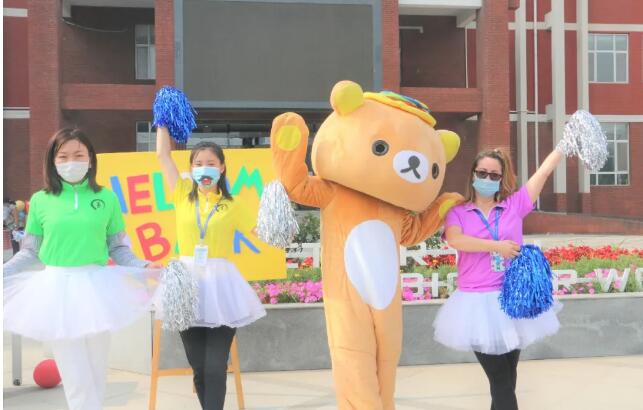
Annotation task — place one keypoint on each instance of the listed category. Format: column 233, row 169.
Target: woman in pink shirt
column 487, row 232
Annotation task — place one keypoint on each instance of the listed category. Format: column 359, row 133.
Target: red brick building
column 96, row 64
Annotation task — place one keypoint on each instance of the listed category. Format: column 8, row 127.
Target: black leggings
column 502, row 373
column 207, row 350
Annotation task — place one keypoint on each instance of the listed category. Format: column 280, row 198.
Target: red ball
column 46, row 374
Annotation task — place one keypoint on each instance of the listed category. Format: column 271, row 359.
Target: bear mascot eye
column 380, row 148
column 435, row 171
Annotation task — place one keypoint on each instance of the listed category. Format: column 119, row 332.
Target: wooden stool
column 233, row 367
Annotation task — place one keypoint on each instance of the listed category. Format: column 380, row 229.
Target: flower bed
column 570, row 253
column 579, row 270
column 598, row 270
column 289, row 292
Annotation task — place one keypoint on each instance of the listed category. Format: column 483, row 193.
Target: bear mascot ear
column 346, row 97
column 451, row 142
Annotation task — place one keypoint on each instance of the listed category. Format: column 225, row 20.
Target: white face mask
column 72, row 171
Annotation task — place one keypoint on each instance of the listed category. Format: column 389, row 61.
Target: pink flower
column 273, row 301
column 407, row 294
column 592, row 291
column 273, row 290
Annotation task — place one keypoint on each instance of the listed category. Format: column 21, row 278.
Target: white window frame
column 593, row 55
column 615, row 143
column 145, row 138
column 149, row 46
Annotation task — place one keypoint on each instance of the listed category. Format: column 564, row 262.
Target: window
column 608, row 58
column 145, row 136
column 230, row 139
column 145, row 59
column 617, row 168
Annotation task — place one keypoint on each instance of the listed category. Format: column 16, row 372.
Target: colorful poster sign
column 146, row 203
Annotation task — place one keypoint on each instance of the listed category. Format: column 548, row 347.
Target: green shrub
column 308, row 229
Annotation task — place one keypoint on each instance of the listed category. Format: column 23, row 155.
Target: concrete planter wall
column 293, row 337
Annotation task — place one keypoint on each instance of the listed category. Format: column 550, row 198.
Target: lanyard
column 493, row 232
column 204, row 228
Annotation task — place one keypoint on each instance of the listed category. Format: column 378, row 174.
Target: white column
column 582, row 75
column 521, row 90
column 557, row 23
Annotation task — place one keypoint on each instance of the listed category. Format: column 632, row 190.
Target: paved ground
column 610, row 383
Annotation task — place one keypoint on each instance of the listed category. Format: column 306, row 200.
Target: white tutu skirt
column 72, row 302
column 225, row 297
column 473, row 321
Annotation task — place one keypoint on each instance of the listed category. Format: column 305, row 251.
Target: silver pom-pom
column 583, row 137
column 276, row 222
column 179, row 298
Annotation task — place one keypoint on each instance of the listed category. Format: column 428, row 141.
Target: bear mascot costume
column 379, row 164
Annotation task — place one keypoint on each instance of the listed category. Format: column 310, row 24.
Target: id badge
column 497, row 262
column 201, row 255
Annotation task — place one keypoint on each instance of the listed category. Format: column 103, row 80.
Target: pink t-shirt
column 474, row 268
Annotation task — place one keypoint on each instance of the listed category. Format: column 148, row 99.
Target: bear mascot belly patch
column 379, row 164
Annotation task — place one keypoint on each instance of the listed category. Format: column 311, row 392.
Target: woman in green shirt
column 73, row 228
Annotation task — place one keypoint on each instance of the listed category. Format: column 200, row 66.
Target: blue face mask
column 206, row 177
column 485, row 187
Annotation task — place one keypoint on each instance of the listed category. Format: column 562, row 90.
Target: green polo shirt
column 75, row 224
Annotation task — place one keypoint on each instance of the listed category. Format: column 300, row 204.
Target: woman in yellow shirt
column 206, row 220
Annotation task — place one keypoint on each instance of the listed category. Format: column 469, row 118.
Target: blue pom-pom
column 173, row 111
column 527, row 290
